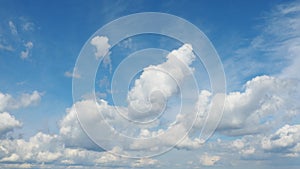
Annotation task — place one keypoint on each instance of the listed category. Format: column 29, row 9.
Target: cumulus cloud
column 285, row 140
column 7, row 102
column 71, row 130
column 102, row 46
column 158, row 83
column 264, row 103
column 251, row 111
column 49, row 151
column 40, row 148
column 8, row 123
column 164, row 79
column 102, row 50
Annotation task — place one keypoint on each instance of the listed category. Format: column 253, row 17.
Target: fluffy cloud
column 265, row 102
column 102, row 46
column 102, row 50
column 71, row 131
column 7, row 102
column 49, row 151
column 155, row 85
column 158, row 83
column 285, row 140
column 8, row 123
column 40, row 148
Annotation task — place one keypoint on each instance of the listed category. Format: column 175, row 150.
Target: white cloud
column 12, row 158
column 153, row 78
column 265, row 102
column 7, row 102
column 102, row 50
column 102, row 46
column 157, row 84
column 39, row 148
column 28, row 46
column 284, row 140
column 8, row 123
column 49, row 151
column 71, row 131
column 12, row 28
column 209, row 160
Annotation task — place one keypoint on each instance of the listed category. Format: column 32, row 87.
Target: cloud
column 28, row 46
column 158, row 83
column 102, row 46
column 49, row 151
column 7, row 102
column 285, row 140
column 40, row 148
column 71, row 130
column 8, row 123
column 28, row 26
column 102, row 50
column 145, row 162
column 263, row 105
column 72, row 74
column 12, row 28
column 6, row 47
column 209, row 160
column 154, row 78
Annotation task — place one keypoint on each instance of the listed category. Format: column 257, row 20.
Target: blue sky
column 258, row 45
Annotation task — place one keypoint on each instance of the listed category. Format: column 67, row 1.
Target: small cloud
column 143, row 162
column 102, row 46
column 208, row 160
column 7, row 102
column 28, row 26
column 28, row 47
column 6, row 47
column 12, row 28
column 127, row 43
column 73, row 74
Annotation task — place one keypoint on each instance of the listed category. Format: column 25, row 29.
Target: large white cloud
column 155, row 85
column 158, row 83
column 265, row 102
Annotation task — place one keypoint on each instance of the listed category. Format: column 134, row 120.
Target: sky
column 223, row 95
